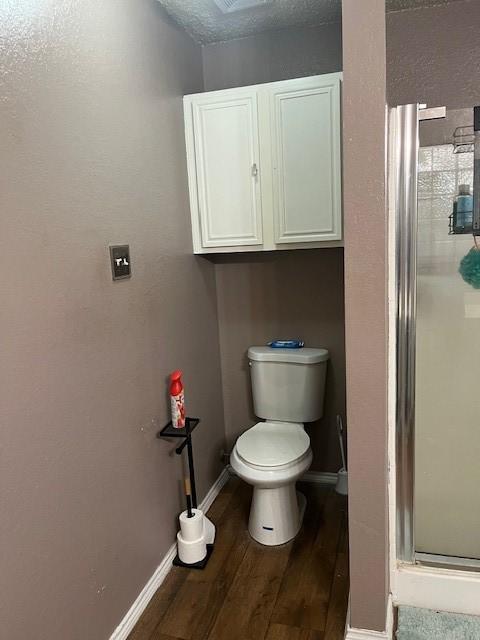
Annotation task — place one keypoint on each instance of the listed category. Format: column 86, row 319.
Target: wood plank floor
column 297, row 591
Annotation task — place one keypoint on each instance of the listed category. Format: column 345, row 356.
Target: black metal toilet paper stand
column 169, row 431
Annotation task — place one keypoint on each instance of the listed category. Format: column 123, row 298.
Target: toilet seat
column 273, row 444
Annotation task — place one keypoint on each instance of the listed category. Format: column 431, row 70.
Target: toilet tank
column 288, row 384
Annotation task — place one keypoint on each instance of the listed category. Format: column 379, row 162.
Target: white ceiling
column 204, row 21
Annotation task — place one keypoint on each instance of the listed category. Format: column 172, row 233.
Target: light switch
column 120, row 260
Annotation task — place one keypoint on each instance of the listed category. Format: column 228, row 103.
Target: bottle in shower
column 464, row 208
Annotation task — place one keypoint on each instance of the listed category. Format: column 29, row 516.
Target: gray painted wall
column 282, row 294
column 366, row 262
column 93, row 153
column 432, row 57
column 433, row 54
column 273, row 55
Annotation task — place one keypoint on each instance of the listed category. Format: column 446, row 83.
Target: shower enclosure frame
column 431, row 582
column 405, row 207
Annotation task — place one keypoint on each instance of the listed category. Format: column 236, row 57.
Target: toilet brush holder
column 342, row 476
column 342, row 482
column 194, row 540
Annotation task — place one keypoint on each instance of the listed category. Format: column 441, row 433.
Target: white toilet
column 288, row 388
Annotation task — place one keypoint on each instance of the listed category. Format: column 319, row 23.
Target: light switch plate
column 120, row 261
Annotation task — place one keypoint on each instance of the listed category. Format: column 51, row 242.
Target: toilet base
column 276, row 514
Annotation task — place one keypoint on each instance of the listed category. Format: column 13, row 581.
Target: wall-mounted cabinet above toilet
column 264, row 166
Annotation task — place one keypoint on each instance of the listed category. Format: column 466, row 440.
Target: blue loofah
column 470, row 268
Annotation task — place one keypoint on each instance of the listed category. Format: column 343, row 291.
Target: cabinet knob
column 254, row 170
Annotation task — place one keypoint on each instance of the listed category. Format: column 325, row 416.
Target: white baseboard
column 367, row 634
column 320, row 477
column 450, row 590
column 138, row 607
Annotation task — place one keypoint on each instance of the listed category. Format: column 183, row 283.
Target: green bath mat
column 423, row 624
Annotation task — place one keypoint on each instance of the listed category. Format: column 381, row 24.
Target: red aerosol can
column 177, row 400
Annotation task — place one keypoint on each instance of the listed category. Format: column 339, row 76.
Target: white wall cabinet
column 264, row 166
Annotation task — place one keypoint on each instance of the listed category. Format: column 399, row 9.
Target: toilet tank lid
column 306, row 355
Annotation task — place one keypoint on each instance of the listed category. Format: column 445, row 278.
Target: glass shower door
column 447, row 366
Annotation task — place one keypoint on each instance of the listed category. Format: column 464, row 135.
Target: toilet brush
column 188, row 495
column 342, row 475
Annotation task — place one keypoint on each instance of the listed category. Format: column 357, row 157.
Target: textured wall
column 274, row 55
column 366, row 306
column 432, row 55
column 282, row 294
column 92, row 142
column 203, row 20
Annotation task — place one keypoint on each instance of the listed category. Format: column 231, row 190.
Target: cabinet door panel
column 306, row 160
column 226, row 155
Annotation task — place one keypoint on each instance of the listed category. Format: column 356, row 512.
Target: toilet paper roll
column 191, row 552
column 191, row 528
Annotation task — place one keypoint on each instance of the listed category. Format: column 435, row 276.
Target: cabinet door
column 225, row 132
column 305, row 143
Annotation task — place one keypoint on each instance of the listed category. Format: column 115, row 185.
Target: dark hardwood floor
column 297, row 591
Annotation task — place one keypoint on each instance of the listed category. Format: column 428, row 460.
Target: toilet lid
column 270, row 444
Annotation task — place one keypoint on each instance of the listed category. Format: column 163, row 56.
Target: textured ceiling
column 204, row 21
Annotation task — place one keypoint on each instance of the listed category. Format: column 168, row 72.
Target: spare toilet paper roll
column 191, row 552
column 191, row 528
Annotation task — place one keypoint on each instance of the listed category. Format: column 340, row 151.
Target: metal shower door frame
column 406, row 145
column 405, row 150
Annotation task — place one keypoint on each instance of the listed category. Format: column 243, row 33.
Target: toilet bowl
column 288, row 390
column 272, row 456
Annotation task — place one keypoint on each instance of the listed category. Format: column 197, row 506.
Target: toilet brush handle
column 340, row 439
column 188, row 495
